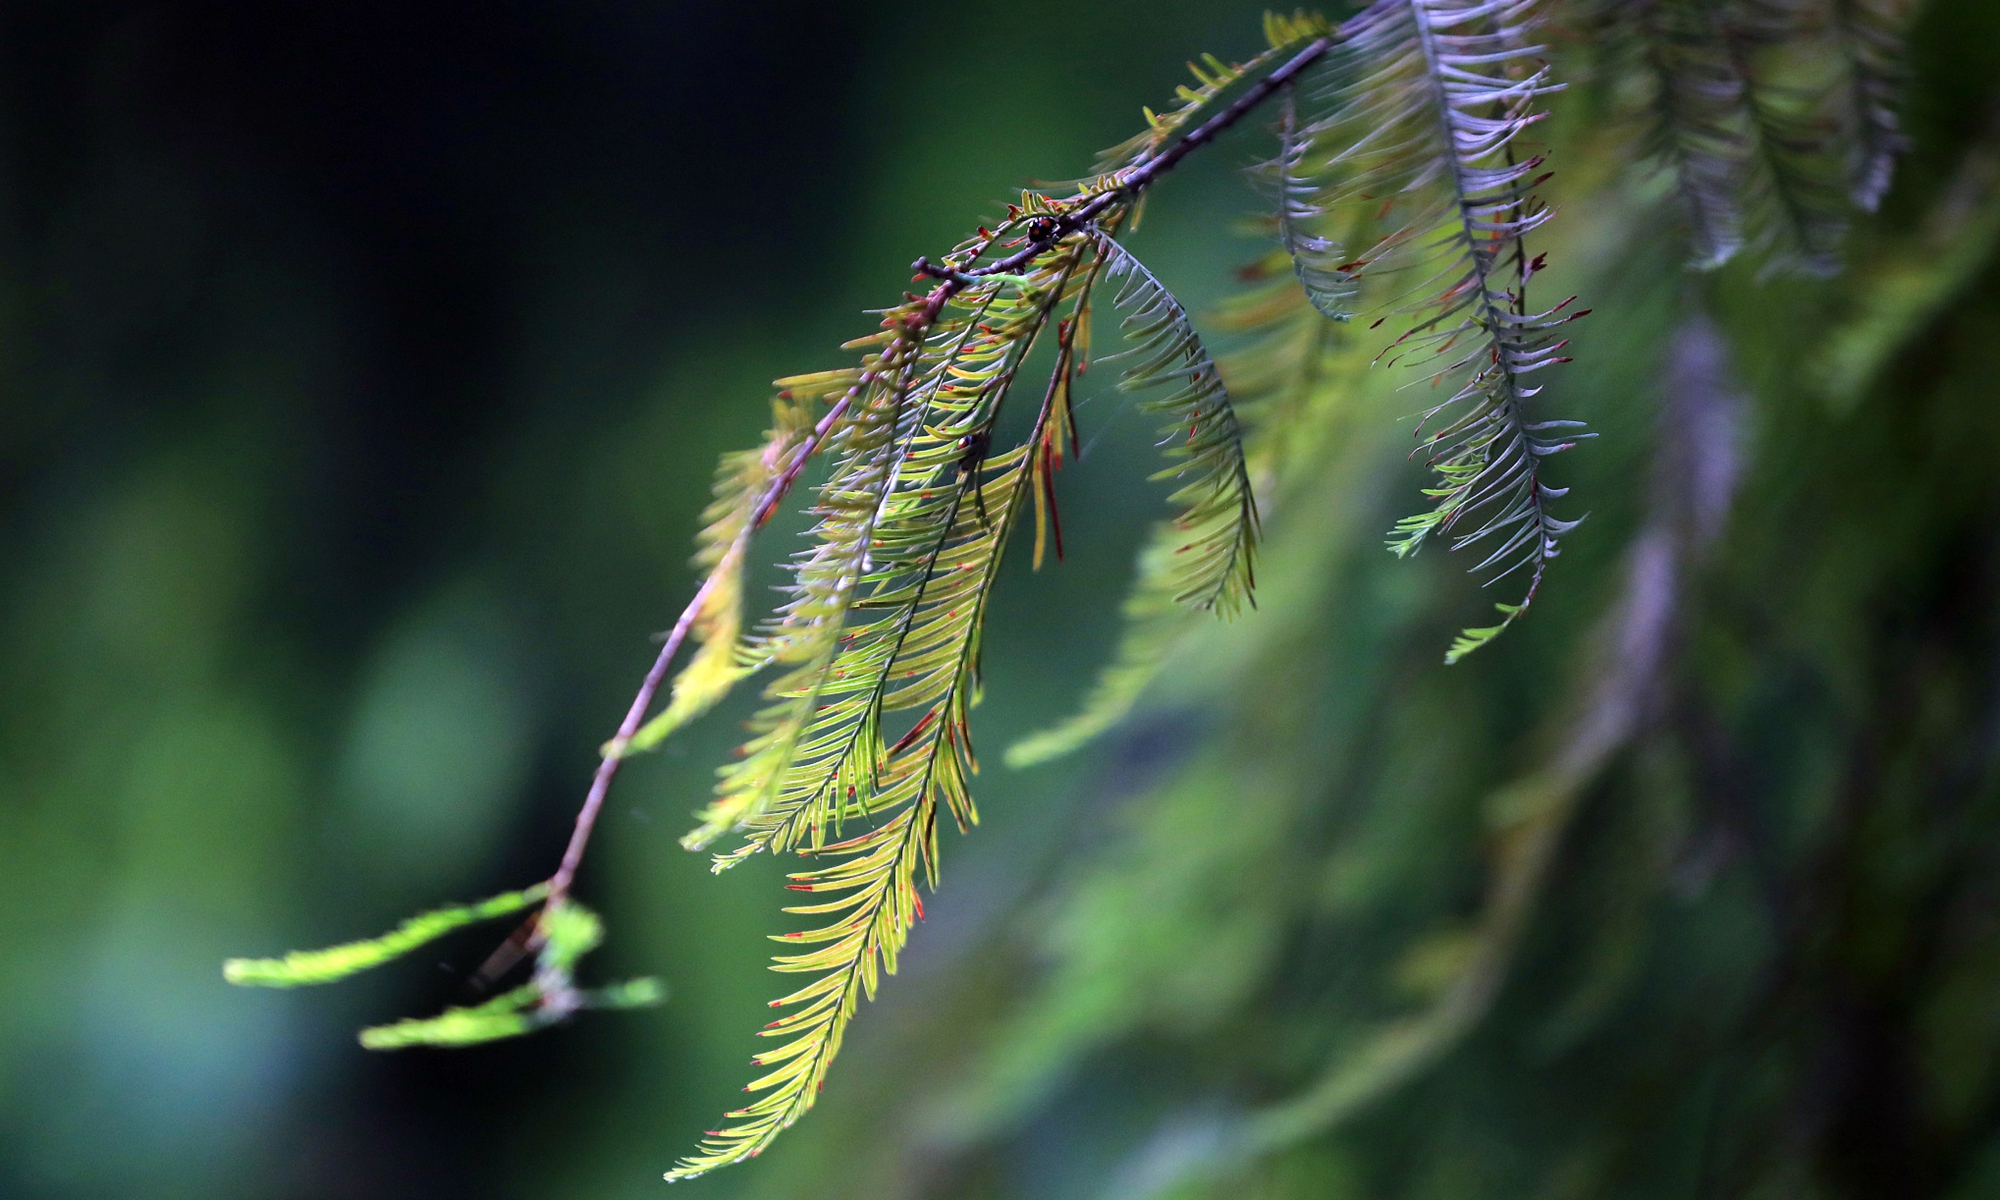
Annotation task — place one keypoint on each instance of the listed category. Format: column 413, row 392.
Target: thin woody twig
column 607, row 768
column 1136, row 179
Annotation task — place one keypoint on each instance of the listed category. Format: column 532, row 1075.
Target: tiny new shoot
column 565, row 931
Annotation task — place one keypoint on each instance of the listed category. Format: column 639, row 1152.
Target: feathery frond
column 824, row 583
column 1281, row 389
column 869, row 882
column 931, row 555
column 1213, row 567
column 1329, row 283
column 885, row 516
column 1423, row 107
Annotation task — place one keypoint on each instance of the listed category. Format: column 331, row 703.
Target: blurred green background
column 361, row 371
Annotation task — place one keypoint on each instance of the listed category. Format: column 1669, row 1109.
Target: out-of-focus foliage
column 1682, row 888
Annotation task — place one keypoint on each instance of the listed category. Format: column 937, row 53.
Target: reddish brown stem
column 607, row 768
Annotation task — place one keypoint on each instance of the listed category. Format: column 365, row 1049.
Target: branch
column 1126, row 187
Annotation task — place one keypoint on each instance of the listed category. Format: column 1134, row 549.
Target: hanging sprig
column 1317, row 260
column 1796, row 182
column 1213, row 567
column 1419, row 115
column 869, row 880
column 818, row 749
column 1286, row 390
column 825, row 580
column 909, row 647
